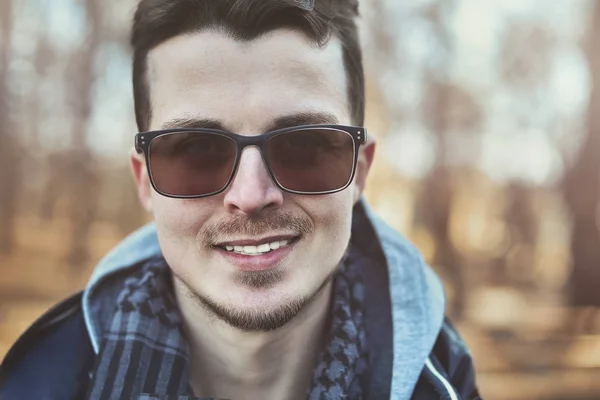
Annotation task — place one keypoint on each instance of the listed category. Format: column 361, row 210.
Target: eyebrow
column 286, row 121
column 307, row 118
column 193, row 123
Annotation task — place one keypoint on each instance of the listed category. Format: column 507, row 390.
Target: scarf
column 144, row 353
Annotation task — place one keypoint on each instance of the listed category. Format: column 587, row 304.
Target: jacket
column 414, row 351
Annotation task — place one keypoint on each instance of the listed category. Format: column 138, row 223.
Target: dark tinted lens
column 312, row 160
column 191, row 163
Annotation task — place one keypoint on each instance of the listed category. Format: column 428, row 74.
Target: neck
column 228, row 363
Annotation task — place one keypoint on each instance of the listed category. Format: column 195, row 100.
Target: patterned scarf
column 144, row 354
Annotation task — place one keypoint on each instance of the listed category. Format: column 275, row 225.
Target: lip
column 264, row 262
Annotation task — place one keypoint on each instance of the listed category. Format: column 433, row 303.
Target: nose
column 252, row 190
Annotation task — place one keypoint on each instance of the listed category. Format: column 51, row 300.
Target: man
column 264, row 275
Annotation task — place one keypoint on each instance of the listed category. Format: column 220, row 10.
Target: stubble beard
column 258, row 321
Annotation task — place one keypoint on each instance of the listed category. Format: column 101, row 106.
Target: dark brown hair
column 156, row 21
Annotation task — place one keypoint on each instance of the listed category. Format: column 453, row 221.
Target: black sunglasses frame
column 144, row 139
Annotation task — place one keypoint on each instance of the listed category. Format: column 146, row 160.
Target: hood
column 416, row 295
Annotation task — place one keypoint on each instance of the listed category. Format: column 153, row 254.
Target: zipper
column 440, row 377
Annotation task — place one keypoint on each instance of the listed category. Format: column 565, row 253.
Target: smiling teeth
column 257, row 250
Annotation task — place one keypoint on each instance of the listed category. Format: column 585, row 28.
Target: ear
column 142, row 181
column 363, row 165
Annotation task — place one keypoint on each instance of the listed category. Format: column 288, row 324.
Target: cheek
column 177, row 223
column 168, row 213
column 332, row 215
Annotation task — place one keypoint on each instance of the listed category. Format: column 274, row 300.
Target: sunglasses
column 307, row 159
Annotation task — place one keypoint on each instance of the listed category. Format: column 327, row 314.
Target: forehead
column 246, row 85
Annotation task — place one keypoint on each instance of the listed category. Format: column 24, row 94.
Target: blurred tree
column 53, row 185
column 435, row 201
column 82, row 175
column 581, row 190
column 525, row 63
column 9, row 160
column 522, row 226
column 436, row 196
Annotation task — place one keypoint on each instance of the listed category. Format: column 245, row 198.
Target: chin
column 259, row 307
column 257, row 311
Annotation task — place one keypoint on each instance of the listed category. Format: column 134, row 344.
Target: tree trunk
column 83, row 178
column 435, row 200
column 9, row 161
column 581, row 189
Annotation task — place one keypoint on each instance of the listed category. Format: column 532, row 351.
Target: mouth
column 257, row 255
column 257, row 247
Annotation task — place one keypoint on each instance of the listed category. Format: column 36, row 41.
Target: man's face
column 245, row 87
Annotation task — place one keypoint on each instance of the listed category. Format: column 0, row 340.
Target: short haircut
column 156, row 21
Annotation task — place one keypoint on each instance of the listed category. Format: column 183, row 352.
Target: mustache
column 237, row 226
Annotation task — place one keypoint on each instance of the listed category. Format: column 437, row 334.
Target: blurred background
column 488, row 120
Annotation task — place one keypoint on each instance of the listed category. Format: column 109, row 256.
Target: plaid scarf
column 144, row 354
